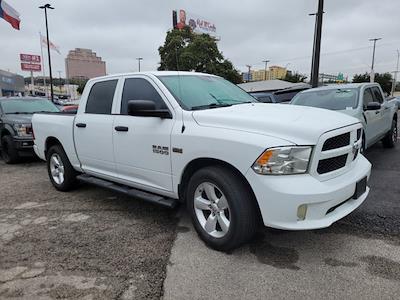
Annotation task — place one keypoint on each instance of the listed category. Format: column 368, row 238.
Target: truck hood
column 18, row 118
column 300, row 125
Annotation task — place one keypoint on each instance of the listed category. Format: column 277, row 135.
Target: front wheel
column 222, row 208
column 390, row 140
column 8, row 150
column 61, row 173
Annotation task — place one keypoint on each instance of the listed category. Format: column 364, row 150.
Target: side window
column 140, row 89
column 368, row 97
column 378, row 95
column 101, row 97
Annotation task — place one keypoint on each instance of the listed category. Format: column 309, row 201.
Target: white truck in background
column 364, row 101
column 170, row 137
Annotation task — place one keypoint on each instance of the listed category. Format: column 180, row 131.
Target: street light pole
column 45, row 7
column 372, row 75
column 395, row 73
column 265, row 70
column 139, row 59
column 317, row 44
column 248, row 74
column 59, row 80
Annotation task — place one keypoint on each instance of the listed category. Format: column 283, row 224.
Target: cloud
column 281, row 31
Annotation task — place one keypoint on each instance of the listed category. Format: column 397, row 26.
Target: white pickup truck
column 169, row 137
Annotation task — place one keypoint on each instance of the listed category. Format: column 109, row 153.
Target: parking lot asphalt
column 356, row 258
column 86, row 244
column 95, row 244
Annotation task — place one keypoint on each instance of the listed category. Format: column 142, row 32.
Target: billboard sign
column 31, row 67
column 30, row 58
column 198, row 24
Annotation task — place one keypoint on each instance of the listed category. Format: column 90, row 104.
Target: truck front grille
column 336, row 151
column 331, row 164
column 337, row 142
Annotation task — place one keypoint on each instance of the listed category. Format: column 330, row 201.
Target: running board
column 145, row 196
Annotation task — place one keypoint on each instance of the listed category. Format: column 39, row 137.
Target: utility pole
column 372, row 75
column 317, row 43
column 395, row 73
column 265, row 70
column 249, row 73
column 139, row 59
column 45, row 7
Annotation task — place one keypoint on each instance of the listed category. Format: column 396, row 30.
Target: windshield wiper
column 18, row 113
column 212, row 105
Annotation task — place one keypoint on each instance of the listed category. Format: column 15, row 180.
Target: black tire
column 243, row 212
column 69, row 179
column 8, row 151
column 390, row 140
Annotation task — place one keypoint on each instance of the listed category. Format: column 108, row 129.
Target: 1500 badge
column 160, row 150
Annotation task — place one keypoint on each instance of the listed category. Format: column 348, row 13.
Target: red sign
column 31, row 67
column 30, row 58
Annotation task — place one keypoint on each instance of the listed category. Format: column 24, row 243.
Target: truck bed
column 47, row 126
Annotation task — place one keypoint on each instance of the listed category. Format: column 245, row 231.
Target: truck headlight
column 283, row 160
column 23, row 130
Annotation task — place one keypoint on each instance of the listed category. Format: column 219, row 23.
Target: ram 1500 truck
column 169, row 137
column 365, row 101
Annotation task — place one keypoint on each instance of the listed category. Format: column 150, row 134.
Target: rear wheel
column 390, row 140
column 61, row 173
column 222, row 208
column 8, row 151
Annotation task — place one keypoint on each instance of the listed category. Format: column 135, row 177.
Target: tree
column 295, row 77
column 385, row 80
column 184, row 50
column 81, row 86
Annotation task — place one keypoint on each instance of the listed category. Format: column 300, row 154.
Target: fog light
column 301, row 212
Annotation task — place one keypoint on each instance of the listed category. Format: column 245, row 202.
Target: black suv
column 16, row 125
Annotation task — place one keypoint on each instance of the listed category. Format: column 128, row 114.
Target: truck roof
column 155, row 73
column 341, row 86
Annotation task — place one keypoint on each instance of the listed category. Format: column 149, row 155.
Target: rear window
column 101, row 97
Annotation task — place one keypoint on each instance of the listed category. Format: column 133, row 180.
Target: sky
column 250, row 31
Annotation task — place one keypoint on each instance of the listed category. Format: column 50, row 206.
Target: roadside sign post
column 32, row 84
column 31, row 63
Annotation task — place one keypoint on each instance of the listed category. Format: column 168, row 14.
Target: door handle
column 121, row 128
column 80, row 125
column 377, row 112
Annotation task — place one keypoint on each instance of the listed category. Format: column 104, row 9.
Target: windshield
column 27, row 106
column 203, row 91
column 333, row 99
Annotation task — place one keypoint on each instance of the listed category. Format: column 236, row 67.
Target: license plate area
column 361, row 187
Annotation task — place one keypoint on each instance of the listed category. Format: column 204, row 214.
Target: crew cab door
column 384, row 113
column 142, row 145
column 93, row 130
column 372, row 117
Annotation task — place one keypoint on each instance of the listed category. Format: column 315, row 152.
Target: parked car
column 282, row 96
column 365, row 101
column 170, row 137
column 15, row 125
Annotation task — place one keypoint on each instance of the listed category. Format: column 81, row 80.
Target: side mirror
column 147, row 108
column 373, row 106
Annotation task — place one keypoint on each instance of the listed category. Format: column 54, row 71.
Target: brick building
column 84, row 64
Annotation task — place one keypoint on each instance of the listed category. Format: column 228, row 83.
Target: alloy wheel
column 57, row 169
column 212, row 210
